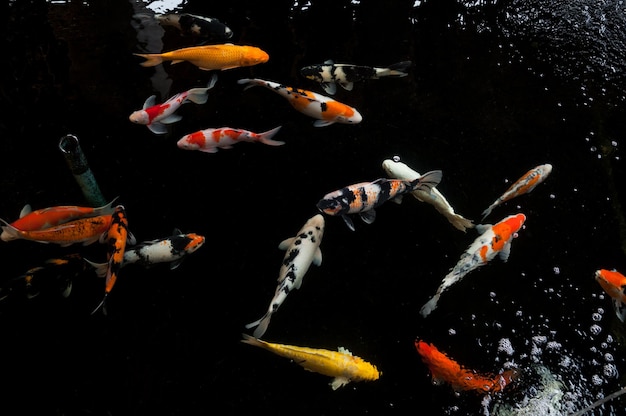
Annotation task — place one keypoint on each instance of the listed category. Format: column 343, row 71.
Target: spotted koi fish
column 341, row 365
column 196, row 26
column 82, row 230
column 444, row 369
column 523, row 185
column 614, row 284
column 116, row 238
column 300, row 252
column 49, row 217
column 172, row 250
column 329, row 74
column 210, row 140
column 398, row 170
column 362, row 198
column 155, row 116
column 210, row 57
column 494, row 240
column 326, row 110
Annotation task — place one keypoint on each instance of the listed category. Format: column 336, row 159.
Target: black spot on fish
column 323, row 107
column 291, row 256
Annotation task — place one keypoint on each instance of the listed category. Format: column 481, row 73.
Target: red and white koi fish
column 363, row 197
column 210, row 140
column 48, row 217
column 172, row 250
column 329, row 74
column 614, row 284
column 444, row 369
column 155, row 116
column 398, row 170
column 300, row 252
column 341, row 365
column 326, row 110
column 116, row 238
column 494, row 240
column 82, row 230
column 523, row 185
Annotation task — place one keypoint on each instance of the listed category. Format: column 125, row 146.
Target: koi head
column 341, row 113
column 333, row 204
column 193, row 141
column 140, row 117
column 612, row 281
column 254, row 56
column 195, row 242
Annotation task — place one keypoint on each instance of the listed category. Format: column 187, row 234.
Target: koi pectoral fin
column 339, row 382
column 430, row 305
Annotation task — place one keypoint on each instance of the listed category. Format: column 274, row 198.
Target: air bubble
column 595, row 329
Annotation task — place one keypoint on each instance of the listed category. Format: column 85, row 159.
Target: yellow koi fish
column 341, row 365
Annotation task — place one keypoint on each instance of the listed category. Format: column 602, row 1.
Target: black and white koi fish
column 301, row 251
column 363, row 197
column 194, row 25
column 329, row 74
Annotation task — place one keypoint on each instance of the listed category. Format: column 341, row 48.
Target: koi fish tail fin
column 487, row 212
column 201, row 95
column 249, row 339
column 249, row 83
column 100, row 268
column 9, row 232
column 101, row 306
column 430, row 305
column 266, row 137
column 152, row 59
column 400, row 69
column 261, row 325
column 460, row 223
column 427, row 181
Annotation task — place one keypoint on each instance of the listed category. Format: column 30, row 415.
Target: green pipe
column 77, row 163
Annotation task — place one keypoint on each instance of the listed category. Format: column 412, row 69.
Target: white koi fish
column 155, row 116
column 329, row 74
column 399, row 170
column 523, row 185
column 326, row 110
column 301, row 251
column 494, row 240
column 210, row 140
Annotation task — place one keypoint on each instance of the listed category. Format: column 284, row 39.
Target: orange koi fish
column 116, row 238
column 614, row 284
column 210, row 57
column 444, row 369
column 83, row 230
column 523, row 185
column 210, row 140
column 326, row 110
column 494, row 240
column 48, row 217
column 341, row 365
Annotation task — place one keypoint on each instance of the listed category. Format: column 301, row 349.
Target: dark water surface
column 495, row 89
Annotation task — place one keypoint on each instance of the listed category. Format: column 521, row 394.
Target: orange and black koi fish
column 614, row 284
column 116, row 238
column 444, row 369
column 362, row 198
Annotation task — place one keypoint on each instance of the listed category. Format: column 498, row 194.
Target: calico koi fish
column 341, row 364
column 444, row 369
column 172, row 250
column 614, row 284
column 116, row 238
column 329, row 74
column 194, row 25
column 362, row 198
column 82, row 230
column 155, row 116
column 523, row 185
column 300, row 252
column 494, row 240
column 48, row 217
column 399, row 170
column 326, row 110
column 210, row 57
column 210, row 140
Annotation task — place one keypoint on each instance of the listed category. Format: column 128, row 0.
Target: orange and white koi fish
column 361, row 198
column 614, row 284
column 398, row 170
column 444, row 369
column 300, row 252
column 48, row 217
column 210, row 140
column 341, row 365
column 325, row 109
column 494, row 240
column 116, row 238
column 210, row 57
column 523, row 185
column 155, row 116
column 83, row 230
